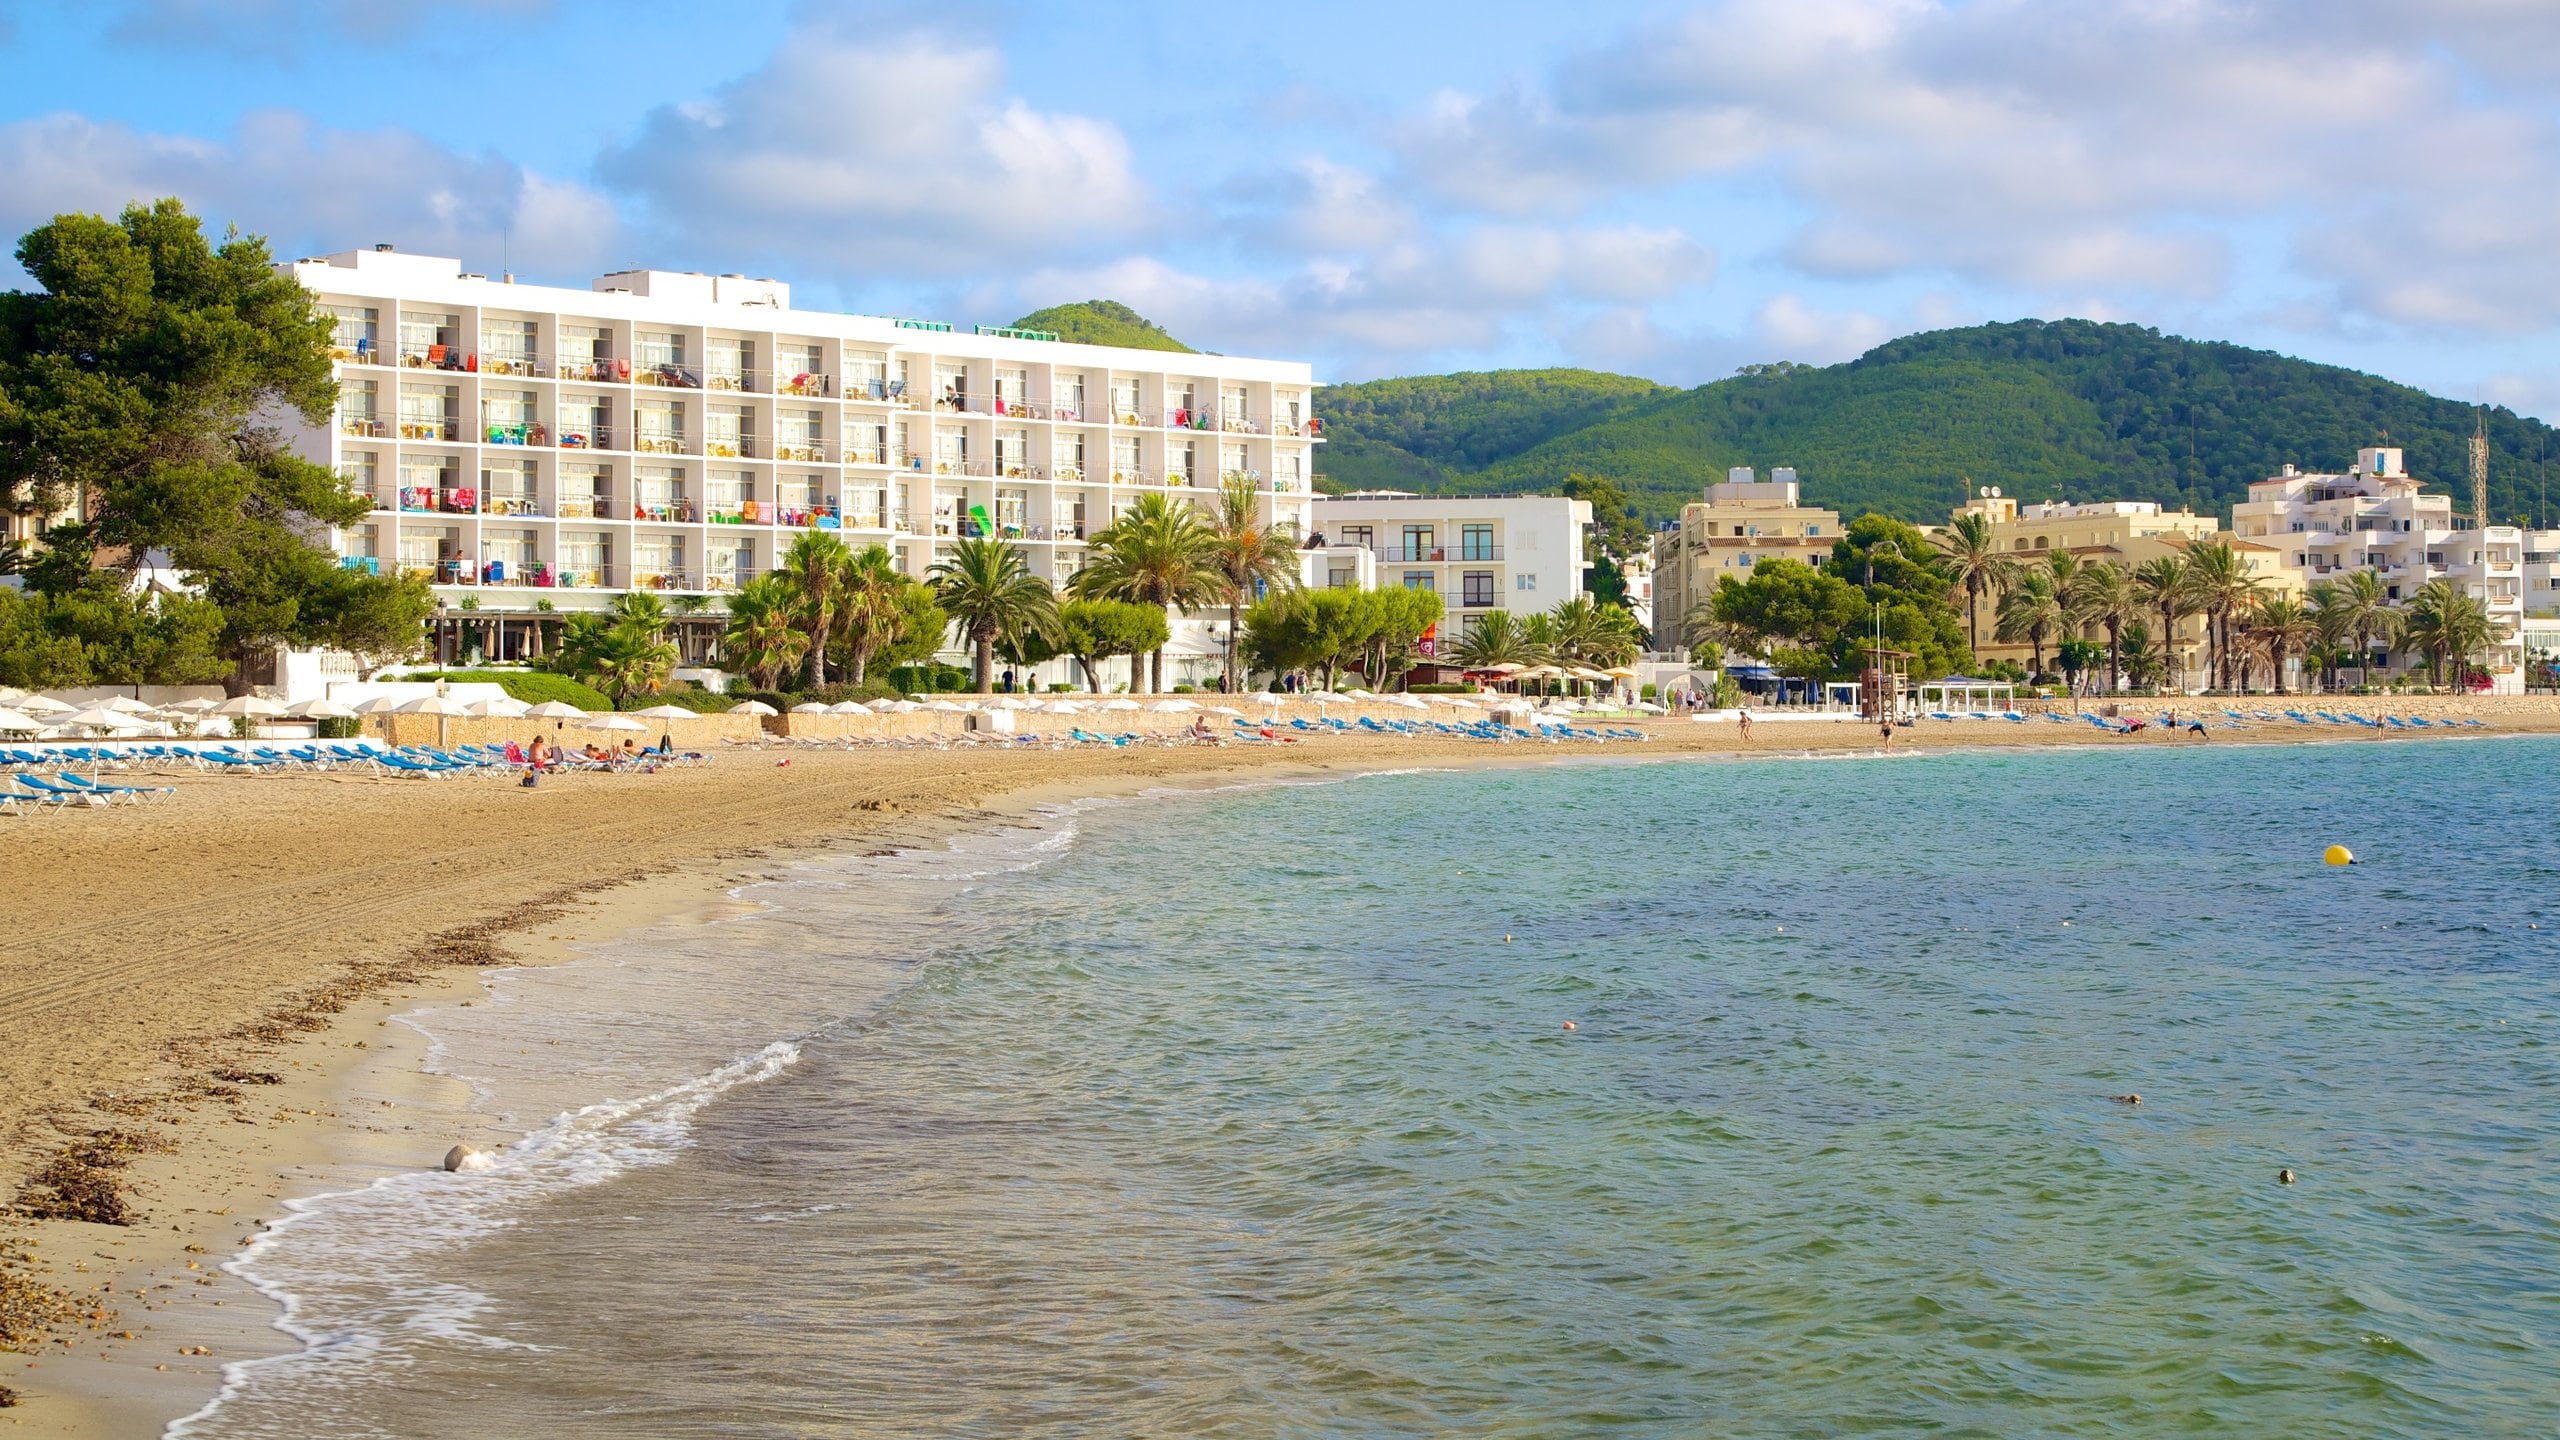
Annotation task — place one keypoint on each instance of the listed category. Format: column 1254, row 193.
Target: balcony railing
column 584, row 507
column 429, row 429
column 720, row 582
column 586, row 436
column 669, row 375
column 866, row 455
column 524, row 505
column 433, row 500
column 805, row 382
column 1461, row 554
column 1239, row 425
column 730, row 447
column 660, row 442
column 870, row 390
column 1183, row 419
column 432, row 357
column 675, row 511
column 981, row 468
column 603, row 369
column 364, row 425
column 669, row 577
column 800, row 448
column 363, row 352
column 489, row 363
column 578, row 577
column 528, row 433
column 741, row 380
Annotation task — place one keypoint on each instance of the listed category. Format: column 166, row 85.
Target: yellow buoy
column 2338, row 855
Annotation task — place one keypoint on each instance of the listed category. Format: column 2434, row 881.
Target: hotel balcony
column 433, row 357
column 364, row 426
column 720, row 582
column 669, row 375
column 660, row 442
column 1438, row 554
column 869, row 391
column 749, row 381
column 582, row 435
column 812, row 383
column 512, row 363
column 800, row 448
column 524, row 506
column 730, row 447
column 602, row 370
column 428, row 428
column 584, row 507
column 676, row 510
column 527, row 433
column 669, row 577
column 425, row 500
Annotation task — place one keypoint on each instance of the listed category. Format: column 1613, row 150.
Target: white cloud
column 2066, row 149
column 310, row 189
column 890, row 152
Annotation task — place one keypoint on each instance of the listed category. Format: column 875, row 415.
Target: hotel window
column 1231, row 461
column 585, row 558
column 506, row 556
column 425, row 477
column 1181, row 462
column 422, row 551
column 582, row 424
column 1417, row 543
column 951, row 387
column 862, row 507
column 1292, row 472
column 800, row 369
column 1124, row 400
column 657, row 560
column 355, row 332
column 729, row 364
column 507, row 417
column 951, row 451
column 866, row 442
column 724, row 431
column 660, row 350
column 361, row 470
column 1361, row 535
column 1070, row 513
column 657, row 493
column 1231, row 407
column 1475, row 542
column 866, row 375
column 1124, row 458
column 1011, row 508
column 359, row 407
column 506, row 488
column 1476, row 587
column 1013, row 452
column 585, row 491
column 1420, row 580
column 430, row 340
column 1524, row 582
column 726, row 492
column 585, row 353
column 426, row 412
column 1340, row 577
column 1183, row 400
column 728, row 564
column 506, row 347
column 1013, row 390
column 1066, row 455
column 1066, row 393
column 661, row 428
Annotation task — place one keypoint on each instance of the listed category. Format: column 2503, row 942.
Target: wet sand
column 257, row 927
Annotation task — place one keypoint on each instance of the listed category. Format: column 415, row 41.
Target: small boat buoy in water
column 2337, row 855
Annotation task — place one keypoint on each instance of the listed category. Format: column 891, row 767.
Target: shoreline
column 352, row 1101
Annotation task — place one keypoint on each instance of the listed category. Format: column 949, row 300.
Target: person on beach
column 1886, row 731
column 1746, row 725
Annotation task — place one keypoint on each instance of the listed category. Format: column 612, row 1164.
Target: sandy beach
column 209, row 982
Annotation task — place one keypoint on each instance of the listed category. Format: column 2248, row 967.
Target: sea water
column 1256, row 1113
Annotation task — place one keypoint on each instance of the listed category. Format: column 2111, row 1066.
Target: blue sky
column 1665, row 189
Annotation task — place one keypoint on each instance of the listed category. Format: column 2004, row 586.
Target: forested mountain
column 2044, row 409
column 1102, row 322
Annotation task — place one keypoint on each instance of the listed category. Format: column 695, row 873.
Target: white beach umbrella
column 100, row 717
column 1361, row 694
column 256, row 706
column 1120, row 704
column 1461, row 702
column 129, row 705
column 810, row 707
column 943, row 707
column 849, row 707
column 1170, row 707
column 754, row 707
column 379, row 705
column 193, row 707
column 899, row 707
column 505, row 707
column 553, row 710
column 615, row 722
column 1226, row 710
column 45, row 705
column 664, row 712
column 20, row 720
column 323, row 709
column 439, row 705
column 1062, row 707
column 11, row 694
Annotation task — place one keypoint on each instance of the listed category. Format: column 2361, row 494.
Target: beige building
column 1742, row 522
column 2130, row 533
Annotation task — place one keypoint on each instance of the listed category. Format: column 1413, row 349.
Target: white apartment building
column 2375, row 518
column 673, row 433
column 1519, row 553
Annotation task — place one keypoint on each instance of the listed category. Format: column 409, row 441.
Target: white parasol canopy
column 432, row 705
column 753, row 707
column 318, row 710
column 1120, row 704
column 849, row 707
column 100, row 717
column 615, row 722
column 45, row 705
column 664, row 712
column 554, row 710
column 810, row 707
column 381, row 705
column 20, row 720
column 505, row 707
column 255, row 706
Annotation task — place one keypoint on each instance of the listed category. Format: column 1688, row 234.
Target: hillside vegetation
column 1102, row 322
column 2044, row 409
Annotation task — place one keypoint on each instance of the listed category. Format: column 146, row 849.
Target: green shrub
column 530, row 686
column 930, row 679
column 1442, row 687
column 691, row 697
column 1650, row 692
column 1061, row 689
column 1182, row 689
column 340, row 727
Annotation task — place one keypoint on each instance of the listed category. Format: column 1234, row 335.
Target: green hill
column 2042, row 409
column 1102, row 322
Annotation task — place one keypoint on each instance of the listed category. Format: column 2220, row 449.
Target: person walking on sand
column 1746, row 725
column 1885, row 732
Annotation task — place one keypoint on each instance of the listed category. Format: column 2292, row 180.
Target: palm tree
column 2104, row 595
column 762, row 635
column 814, row 566
column 2281, row 625
column 1248, row 554
column 2144, row 663
column 2162, row 581
column 1591, row 633
column 2444, row 623
column 2219, row 584
column 1155, row 554
column 629, row 661
column 2366, row 610
column 641, row 611
column 1496, row 639
column 2331, row 626
column 1971, row 556
column 2029, row 611
column 867, row 610
column 987, row 586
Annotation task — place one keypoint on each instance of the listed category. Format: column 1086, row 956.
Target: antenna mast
column 2480, row 473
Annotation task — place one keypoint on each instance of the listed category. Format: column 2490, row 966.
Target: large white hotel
column 674, row 432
